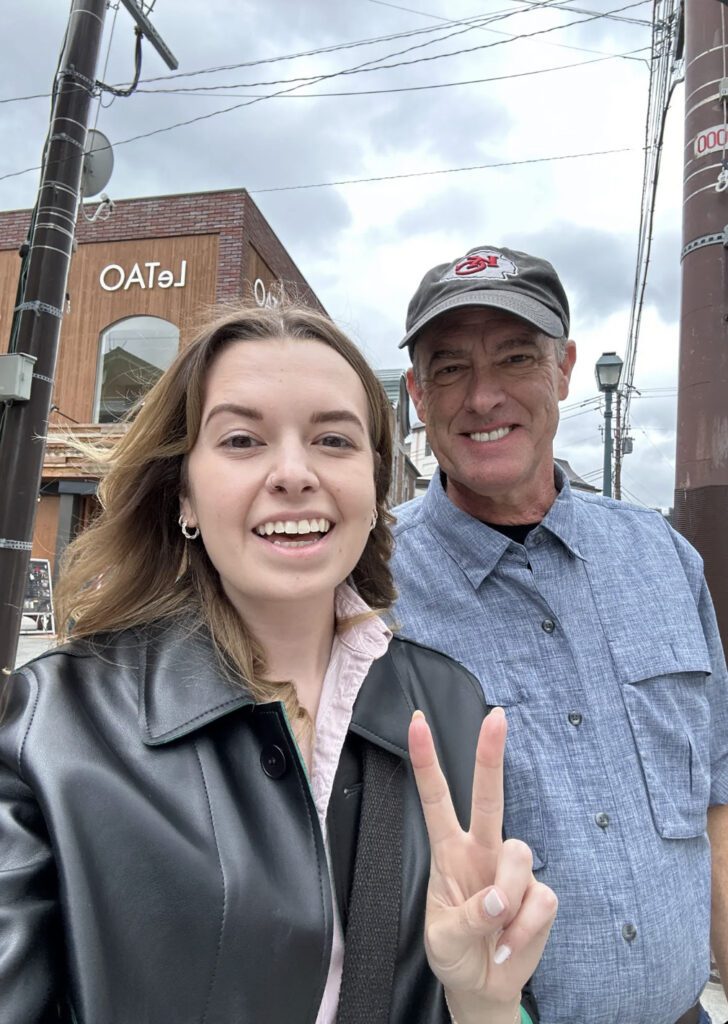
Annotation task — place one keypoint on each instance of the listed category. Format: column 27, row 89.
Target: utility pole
column 38, row 327
column 607, row 471
column 701, row 484
column 618, row 446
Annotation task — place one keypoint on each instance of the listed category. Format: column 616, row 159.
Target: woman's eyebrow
column 337, row 416
column 240, row 410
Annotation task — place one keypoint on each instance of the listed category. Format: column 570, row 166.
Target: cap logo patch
column 487, row 263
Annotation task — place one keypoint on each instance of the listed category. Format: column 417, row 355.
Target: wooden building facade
column 139, row 283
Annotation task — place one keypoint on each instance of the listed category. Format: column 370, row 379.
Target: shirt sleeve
column 717, row 687
column 31, row 952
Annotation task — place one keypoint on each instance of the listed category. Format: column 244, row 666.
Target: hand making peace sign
column 487, row 918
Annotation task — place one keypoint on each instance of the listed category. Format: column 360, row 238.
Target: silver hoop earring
column 188, row 534
column 375, row 518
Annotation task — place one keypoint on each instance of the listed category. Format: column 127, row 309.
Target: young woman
column 220, row 801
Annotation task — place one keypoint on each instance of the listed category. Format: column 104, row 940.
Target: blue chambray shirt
column 599, row 639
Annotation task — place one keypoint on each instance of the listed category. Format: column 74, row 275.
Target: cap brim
column 511, row 302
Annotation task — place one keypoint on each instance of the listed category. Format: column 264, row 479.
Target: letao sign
column 710, row 140
column 142, row 275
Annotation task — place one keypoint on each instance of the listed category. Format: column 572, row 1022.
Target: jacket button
column 574, row 718
column 273, row 762
column 548, row 625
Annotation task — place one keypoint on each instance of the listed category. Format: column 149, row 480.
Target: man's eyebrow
column 518, row 342
column 446, row 353
column 240, row 410
column 337, row 416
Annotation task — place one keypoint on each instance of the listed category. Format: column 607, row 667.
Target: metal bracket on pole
column 717, row 238
column 148, row 30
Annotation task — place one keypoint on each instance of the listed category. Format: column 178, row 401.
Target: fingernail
column 493, row 904
column 418, row 714
column 501, row 954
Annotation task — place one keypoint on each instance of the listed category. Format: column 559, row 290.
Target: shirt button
column 629, row 932
column 273, row 762
column 602, row 820
column 548, row 625
column 574, row 718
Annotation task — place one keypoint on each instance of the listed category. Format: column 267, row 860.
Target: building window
column 428, row 449
column 133, row 354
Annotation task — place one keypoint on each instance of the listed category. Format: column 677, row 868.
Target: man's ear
column 565, row 368
column 417, row 394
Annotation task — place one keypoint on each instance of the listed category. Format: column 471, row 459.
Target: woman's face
column 281, row 476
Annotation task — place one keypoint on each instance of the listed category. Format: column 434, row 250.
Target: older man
column 589, row 621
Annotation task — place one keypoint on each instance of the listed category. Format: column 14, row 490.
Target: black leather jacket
column 161, row 860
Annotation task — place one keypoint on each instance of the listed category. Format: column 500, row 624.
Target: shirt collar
column 478, row 548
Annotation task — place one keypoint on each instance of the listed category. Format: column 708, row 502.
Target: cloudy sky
column 522, row 84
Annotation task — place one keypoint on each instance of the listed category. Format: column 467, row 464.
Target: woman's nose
column 292, row 472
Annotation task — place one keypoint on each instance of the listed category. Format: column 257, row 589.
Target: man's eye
column 447, row 371
column 335, row 441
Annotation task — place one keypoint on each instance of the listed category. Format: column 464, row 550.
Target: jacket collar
column 183, row 688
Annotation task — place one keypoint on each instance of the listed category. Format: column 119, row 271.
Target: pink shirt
column 352, row 654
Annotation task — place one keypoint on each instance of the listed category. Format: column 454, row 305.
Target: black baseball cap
column 523, row 285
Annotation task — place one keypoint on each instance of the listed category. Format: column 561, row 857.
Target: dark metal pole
column 607, row 474
column 618, row 449
column 25, row 424
column 701, row 484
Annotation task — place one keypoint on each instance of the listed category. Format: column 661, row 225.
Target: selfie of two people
column 250, row 787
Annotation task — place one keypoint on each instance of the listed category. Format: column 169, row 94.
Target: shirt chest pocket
column 664, row 692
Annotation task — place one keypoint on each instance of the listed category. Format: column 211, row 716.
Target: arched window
column 133, row 354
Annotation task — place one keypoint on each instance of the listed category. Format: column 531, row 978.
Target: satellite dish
column 98, row 163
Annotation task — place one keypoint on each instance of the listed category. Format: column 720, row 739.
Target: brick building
column 138, row 282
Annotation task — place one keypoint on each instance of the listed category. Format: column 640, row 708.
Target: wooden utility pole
column 42, row 294
column 701, row 484
column 40, row 311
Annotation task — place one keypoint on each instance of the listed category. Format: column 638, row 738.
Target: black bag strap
column 372, row 933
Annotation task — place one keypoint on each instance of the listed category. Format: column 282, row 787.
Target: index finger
column 437, row 808
column 486, row 814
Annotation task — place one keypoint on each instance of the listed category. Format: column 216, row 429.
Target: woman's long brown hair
column 132, row 566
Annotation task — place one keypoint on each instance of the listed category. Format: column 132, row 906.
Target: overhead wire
column 662, row 83
column 325, row 77
column 445, row 170
column 207, row 91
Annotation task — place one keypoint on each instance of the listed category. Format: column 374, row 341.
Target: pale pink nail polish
column 493, row 904
column 501, row 954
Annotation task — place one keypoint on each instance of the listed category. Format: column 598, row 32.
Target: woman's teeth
column 492, row 435
column 292, row 526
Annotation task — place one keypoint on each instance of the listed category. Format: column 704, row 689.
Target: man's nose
column 485, row 392
column 292, row 472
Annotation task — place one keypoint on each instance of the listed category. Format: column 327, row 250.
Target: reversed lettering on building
column 142, row 275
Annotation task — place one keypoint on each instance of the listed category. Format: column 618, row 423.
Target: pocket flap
column 645, row 658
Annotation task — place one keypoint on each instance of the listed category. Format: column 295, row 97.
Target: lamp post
column 608, row 370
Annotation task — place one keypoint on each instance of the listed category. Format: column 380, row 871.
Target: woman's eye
column 335, row 441
column 241, row 441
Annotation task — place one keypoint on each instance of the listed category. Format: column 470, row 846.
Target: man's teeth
column 293, row 526
column 492, row 435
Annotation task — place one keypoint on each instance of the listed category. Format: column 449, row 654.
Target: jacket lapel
column 182, row 685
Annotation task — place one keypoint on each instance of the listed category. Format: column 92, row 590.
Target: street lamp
column 607, row 371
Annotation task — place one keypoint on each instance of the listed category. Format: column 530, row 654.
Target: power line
column 438, row 17
column 446, row 170
column 477, row 21
column 207, row 91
